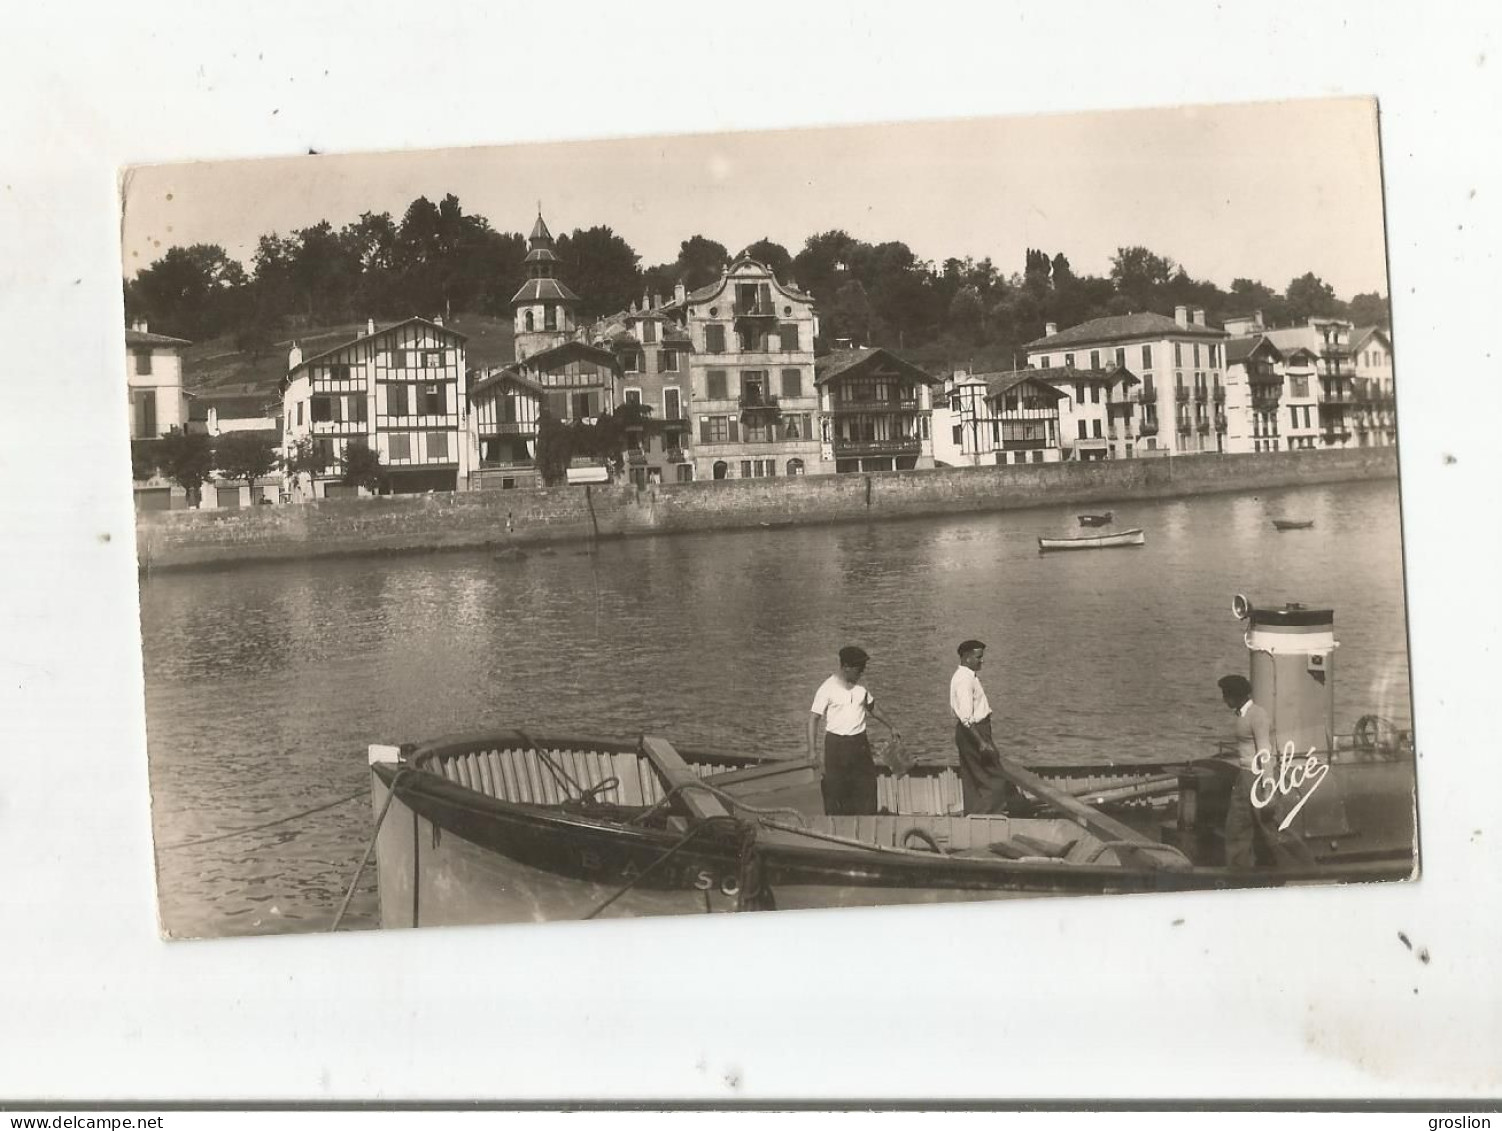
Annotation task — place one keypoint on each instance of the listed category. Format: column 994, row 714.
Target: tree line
column 439, row 259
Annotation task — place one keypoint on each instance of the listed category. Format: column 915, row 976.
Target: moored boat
column 1293, row 524
column 1097, row 519
column 1093, row 541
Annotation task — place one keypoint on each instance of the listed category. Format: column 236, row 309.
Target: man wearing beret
column 986, row 789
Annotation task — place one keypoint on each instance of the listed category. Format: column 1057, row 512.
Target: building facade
column 157, row 404
column 400, row 391
column 876, row 411
column 505, row 410
column 985, row 419
column 1254, row 395
column 654, row 351
column 1376, row 402
column 1178, row 362
column 238, row 410
column 753, row 397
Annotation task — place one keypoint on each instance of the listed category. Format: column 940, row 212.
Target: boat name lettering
column 728, row 885
column 1288, row 780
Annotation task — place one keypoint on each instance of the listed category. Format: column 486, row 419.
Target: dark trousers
column 1246, row 825
column 986, row 791
column 849, row 784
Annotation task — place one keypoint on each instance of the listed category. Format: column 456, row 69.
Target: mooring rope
column 370, row 848
column 265, row 825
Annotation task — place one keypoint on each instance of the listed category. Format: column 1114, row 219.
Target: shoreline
column 550, row 517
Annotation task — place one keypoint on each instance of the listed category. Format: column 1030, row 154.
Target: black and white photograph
column 951, row 511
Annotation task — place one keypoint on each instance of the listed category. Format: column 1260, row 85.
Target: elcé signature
column 1288, row 779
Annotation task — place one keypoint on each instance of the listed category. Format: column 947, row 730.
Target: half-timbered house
column 875, row 411
column 400, row 390
column 1096, row 414
column 504, row 416
column 1022, row 417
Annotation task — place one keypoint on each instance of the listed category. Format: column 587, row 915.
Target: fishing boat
column 1093, row 541
column 505, row 826
column 1293, row 524
column 1097, row 519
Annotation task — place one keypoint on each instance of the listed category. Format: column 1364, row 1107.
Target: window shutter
column 735, row 430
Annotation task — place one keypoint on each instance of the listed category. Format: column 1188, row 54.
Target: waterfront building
column 875, row 411
column 228, row 410
column 984, row 419
column 1096, row 411
column 157, row 404
column 1254, row 394
column 1376, row 405
column 504, row 412
column 653, row 349
column 1178, row 362
column 752, row 395
column 1326, row 342
column 400, row 390
column 543, row 307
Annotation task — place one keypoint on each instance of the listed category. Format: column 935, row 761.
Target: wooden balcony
column 676, row 455
column 635, row 457
column 510, row 428
column 744, row 311
column 758, row 402
column 1025, row 445
column 899, row 447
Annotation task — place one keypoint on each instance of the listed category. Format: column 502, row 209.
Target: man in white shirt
column 985, row 789
column 847, row 771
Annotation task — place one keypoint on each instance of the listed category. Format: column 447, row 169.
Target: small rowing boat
column 1093, row 541
column 1293, row 524
column 1097, row 519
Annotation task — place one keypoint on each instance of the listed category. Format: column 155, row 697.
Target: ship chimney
column 1181, row 315
column 1050, row 329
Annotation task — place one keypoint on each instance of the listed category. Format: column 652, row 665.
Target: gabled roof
column 564, row 351
column 846, row 363
column 544, row 290
column 1123, row 327
column 1072, row 374
column 135, row 337
column 380, row 333
column 1239, row 349
column 1364, row 334
column 708, row 292
column 508, row 375
column 1000, row 383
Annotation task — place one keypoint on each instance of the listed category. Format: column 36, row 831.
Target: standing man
column 847, row 772
column 986, row 790
column 1245, row 822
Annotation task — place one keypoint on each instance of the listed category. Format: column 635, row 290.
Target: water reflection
column 264, row 685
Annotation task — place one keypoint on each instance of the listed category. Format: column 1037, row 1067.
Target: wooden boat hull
column 1097, row 519
column 1093, row 541
column 1288, row 524
column 451, row 849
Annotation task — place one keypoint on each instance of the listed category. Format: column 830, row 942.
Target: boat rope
column 354, row 882
column 264, row 825
column 678, row 846
column 564, row 779
column 728, row 798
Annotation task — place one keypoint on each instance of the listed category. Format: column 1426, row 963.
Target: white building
column 400, row 390
column 1178, row 361
column 157, row 404
column 985, row 419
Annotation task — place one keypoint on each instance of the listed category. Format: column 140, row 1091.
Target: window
column 531, row 321
column 1083, row 434
column 649, row 332
column 714, row 339
column 399, row 359
column 1045, row 361
column 1037, row 456
column 1147, row 357
column 787, row 336
column 1196, row 354
column 438, row 445
column 324, row 448
column 959, row 434
column 396, row 400
column 401, row 447
column 1095, row 359
column 1121, row 357
column 1079, row 392
column 745, row 469
column 632, row 359
column 795, row 467
column 146, row 414
column 792, row 383
column 1293, row 416
column 1095, row 394
column 586, row 405
column 549, row 316
column 143, row 361
column 714, row 429
column 667, row 361
column 323, row 409
column 1095, row 428
column 672, row 403
column 432, row 359
column 433, row 400
column 299, row 414
column 1178, row 353
column 1214, row 356
column 633, row 396
column 715, row 385
column 1069, row 361
column 357, row 409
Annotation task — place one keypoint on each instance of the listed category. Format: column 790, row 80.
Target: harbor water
column 265, row 684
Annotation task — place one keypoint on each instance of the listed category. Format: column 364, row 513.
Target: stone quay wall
column 523, row 518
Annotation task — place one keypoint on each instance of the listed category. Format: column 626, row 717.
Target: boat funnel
column 1293, row 671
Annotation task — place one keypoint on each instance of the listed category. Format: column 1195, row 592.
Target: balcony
column 1335, row 435
column 507, row 464
column 843, row 407
column 1119, row 409
column 1091, row 443
column 510, row 428
column 1220, row 422
column 1185, row 425
column 1218, row 395
column 742, row 311
column 1265, row 377
column 897, row 447
column 1025, row 445
column 1181, row 396
column 1337, row 396
column 1147, row 428
column 1203, row 426
column 1334, row 351
column 635, row 457
column 758, row 402
column 676, row 455
column 1201, row 394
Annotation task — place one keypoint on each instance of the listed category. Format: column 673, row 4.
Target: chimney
column 1199, row 316
column 656, row 300
column 1257, row 320
column 1181, row 315
column 680, row 293
column 294, row 357
column 438, row 320
column 1050, row 329
column 370, row 326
